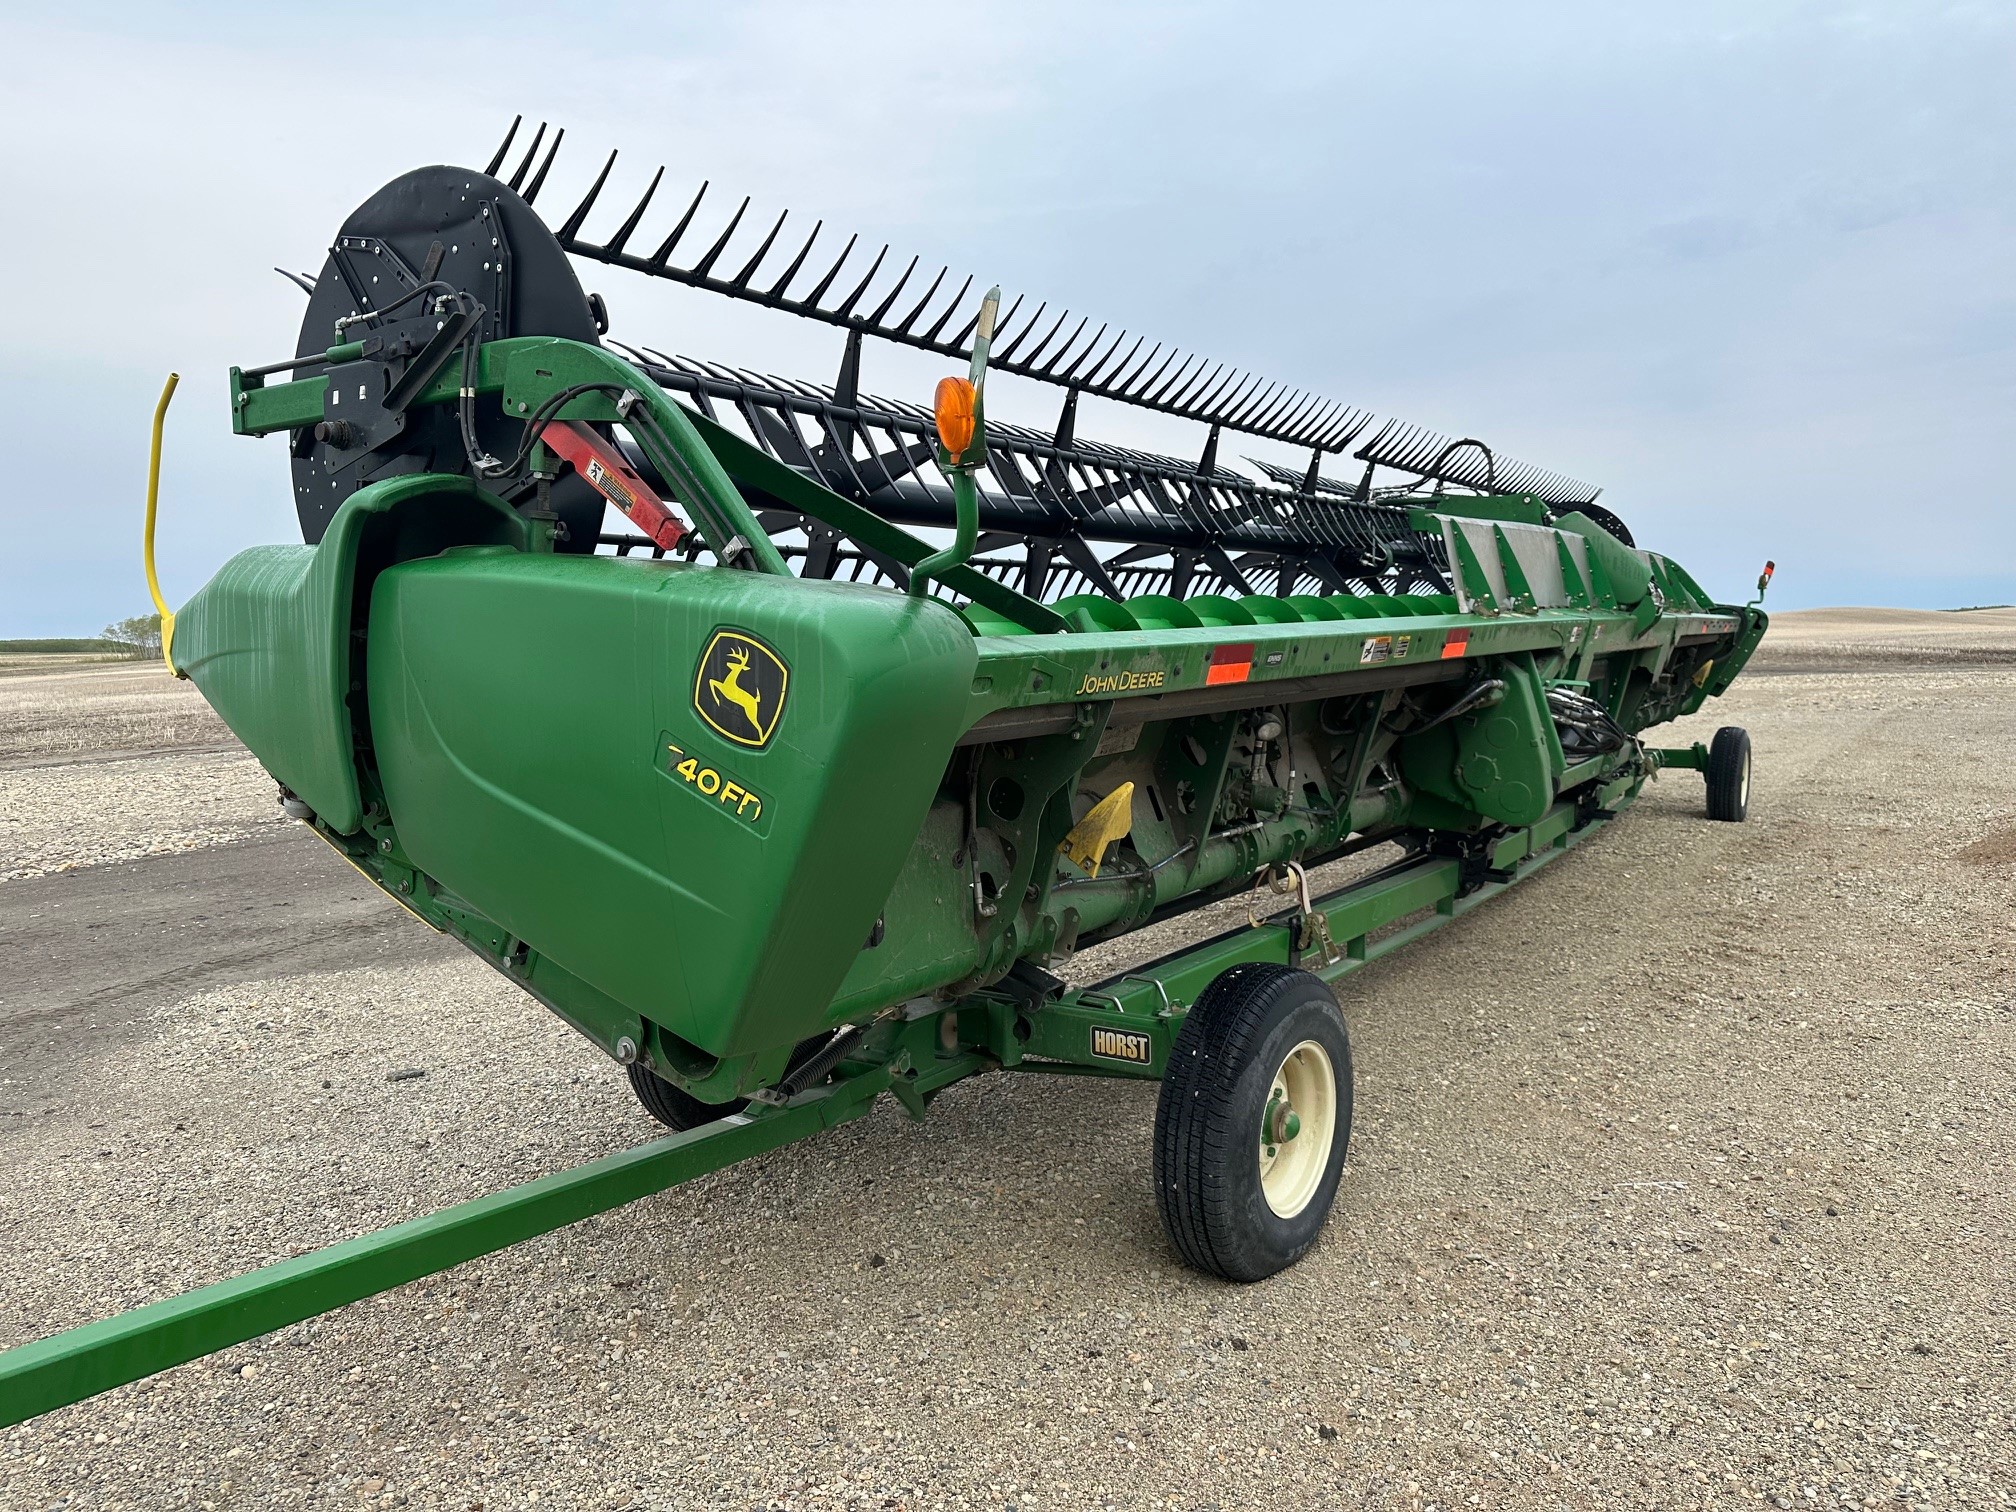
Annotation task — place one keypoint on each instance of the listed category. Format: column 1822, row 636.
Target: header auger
column 785, row 806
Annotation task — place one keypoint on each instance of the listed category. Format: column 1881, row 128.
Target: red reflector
column 1230, row 664
column 1457, row 643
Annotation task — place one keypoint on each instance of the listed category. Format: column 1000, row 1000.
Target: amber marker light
column 953, row 407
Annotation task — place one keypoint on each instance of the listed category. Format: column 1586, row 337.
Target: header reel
column 443, row 259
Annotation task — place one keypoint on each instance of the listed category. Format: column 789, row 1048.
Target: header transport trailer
column 786, row 807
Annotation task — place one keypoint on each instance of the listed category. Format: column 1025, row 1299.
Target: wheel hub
column 1297, row 1127
column 1282, row 1123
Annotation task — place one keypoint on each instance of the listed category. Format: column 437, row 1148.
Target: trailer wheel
column 1253, row 1121
column 674, row 1107
column 1729, row 775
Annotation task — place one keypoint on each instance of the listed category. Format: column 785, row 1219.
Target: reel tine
column 539, row 179
column 1148, row 394
column 958, row 340
column 1301, row 414
column 951, row 309
column 1407, row 448
column 1184, row 381
column 1314, row 416
column 497, row 157
column 1007, row 351
column 1217, row 404
column 875, row 318
column 1123, row 386
column 1333, row 427
column 1241, row 408
column 1188, row 398
column 1103, row 359
column 1196, row 398
column 1395, row 448
column 1065, row 351
column 777, row 289
column 1106, row 362
column 847, row 306
column 1308, row 413
column 572, row 225
column 616, row 243
column 741, row 280
column 1352, row 425
column 664, row 252
column 1291, row 409
column 706, row 263
column 531, row 152
column 1029, row 362
column 1259, row 402
column 904, row 329
column 811, row 300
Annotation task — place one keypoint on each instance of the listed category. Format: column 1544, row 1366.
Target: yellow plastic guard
column 147, row 535
column 1108, row 820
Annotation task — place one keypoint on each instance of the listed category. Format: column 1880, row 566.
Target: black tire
column 1216, row 1099
column 1729, row 775
column 672, row 1106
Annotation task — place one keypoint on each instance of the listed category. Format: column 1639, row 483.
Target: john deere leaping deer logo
column 739, row 686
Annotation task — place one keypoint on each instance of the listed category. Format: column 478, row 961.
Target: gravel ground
column 101, row 764
column 54, row 818
column 1680, row 1178
column 73, row 710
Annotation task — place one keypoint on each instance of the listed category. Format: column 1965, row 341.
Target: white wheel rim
column 1744, row 801
column 1291, row 1168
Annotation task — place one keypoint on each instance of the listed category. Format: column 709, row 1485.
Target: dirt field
column 1681, row 1175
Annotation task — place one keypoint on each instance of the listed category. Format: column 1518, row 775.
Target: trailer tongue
column 785, row 806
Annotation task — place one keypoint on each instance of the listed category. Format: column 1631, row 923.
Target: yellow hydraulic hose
column 147, row 541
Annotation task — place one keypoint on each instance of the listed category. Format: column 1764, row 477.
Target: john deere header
column 786, row 806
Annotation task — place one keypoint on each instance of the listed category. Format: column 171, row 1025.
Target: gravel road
column 1681, row 1178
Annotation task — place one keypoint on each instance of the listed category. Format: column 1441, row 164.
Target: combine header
column 786, row 806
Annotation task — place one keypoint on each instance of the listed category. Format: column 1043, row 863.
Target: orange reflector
column 1457, row 643
column 1230, row 664
column 953, row 407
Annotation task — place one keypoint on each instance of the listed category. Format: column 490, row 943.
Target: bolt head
column 626, row 1051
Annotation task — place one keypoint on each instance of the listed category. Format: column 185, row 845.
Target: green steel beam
column 68, row 1367
column 1685, row 758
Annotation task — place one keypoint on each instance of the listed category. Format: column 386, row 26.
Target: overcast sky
column 1748, row 266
